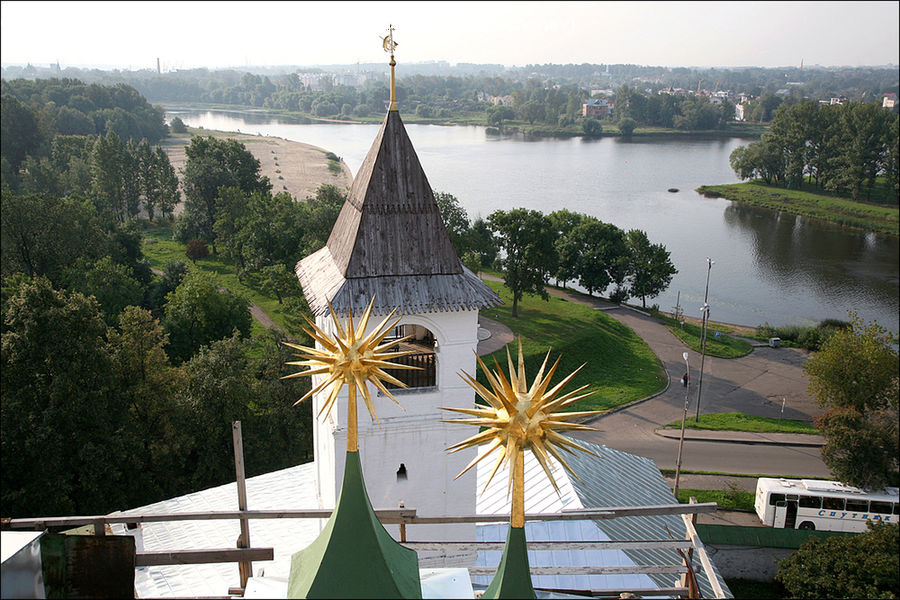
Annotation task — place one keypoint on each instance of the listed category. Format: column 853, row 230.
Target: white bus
column 822, row 505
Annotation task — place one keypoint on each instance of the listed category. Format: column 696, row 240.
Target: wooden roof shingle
column 389, row 241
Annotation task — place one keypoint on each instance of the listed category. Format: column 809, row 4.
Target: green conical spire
column 513, row 576
column 354, row 557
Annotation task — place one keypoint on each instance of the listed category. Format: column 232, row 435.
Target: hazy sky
column 219, row 34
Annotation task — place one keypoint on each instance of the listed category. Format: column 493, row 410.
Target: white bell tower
column 389, row 242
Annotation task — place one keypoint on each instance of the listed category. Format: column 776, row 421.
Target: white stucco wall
column 412, row 435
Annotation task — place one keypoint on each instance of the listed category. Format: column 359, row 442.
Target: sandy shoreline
column 302, row 167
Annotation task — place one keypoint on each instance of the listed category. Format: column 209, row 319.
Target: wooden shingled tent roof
column 389, row 241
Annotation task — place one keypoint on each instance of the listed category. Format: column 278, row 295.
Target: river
column 768, row 266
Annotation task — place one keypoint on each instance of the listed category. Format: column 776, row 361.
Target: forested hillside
column 119, row 384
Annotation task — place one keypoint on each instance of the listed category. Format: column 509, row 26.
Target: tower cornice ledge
column 322, row 282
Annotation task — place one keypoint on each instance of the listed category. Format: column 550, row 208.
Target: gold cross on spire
column 388, row 43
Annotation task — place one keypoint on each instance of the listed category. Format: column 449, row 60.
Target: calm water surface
column 769, row 267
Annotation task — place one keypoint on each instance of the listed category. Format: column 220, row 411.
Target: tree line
column 841, row 148
column 119, row 384
column 531, row 249
column 34, row 112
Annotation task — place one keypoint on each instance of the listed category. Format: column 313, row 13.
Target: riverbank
column 609, row 129
column 865, row 216
column 292, row 167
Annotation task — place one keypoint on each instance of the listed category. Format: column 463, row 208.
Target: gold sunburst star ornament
column 518, row 418
column 351, row 358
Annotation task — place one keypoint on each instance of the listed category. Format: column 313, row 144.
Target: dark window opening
column 401, row 473
column 810, row 502
column 421, row 343
column 831, row 503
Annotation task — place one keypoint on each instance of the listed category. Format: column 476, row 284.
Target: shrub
column 196, row 249
column 859, row 566
column 627, row 125
column 176, row 125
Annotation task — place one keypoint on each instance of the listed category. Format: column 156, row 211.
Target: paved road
column 755, row 384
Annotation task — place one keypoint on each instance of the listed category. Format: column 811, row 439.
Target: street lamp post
column 705, row 310
column 687, row 399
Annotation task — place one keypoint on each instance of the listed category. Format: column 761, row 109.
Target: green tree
column 110, row 283
column 63, row 448
column 480, row 239
column 278, row 433
column 650, row 266
column 497, row 114
column 110, row 169
column 43, row 235
column 19, row 134
column 858, row 566
column 626, row 126
column 532, row 111
column 213, row 164
column 599, row 247
column 563, row 222
column 854, row 375
column 526, row 238
column 281, row 281
column 591, row 127
column 176, row 125
column 218, row 392
column 197, row 312
column 321, row 212
column 151, row 389
column 455, row 219
column 164, row 192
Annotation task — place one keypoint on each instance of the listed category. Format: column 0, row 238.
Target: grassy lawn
column 619, row 368
column 727, row 499
column 159, row 248
column 740, row 422
column 723, row 346
column 867, row 216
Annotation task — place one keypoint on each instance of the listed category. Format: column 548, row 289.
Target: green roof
column 354, row 556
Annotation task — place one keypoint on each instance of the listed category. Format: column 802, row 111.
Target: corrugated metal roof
column 542, row 498
column 615, row 478
column 288, row 489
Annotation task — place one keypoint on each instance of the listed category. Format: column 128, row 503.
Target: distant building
column 506, row 100
column 596, row 107
column 889, row 100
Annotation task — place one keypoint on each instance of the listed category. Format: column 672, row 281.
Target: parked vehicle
column 822, row 505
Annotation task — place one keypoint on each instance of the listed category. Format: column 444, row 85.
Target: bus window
column 883, row 508
column 832, row 503
column 810, row 502
column 855, row 505
column 897, row 509
column 775, row 498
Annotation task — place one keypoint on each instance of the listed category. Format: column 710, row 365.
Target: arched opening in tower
column 422, row 344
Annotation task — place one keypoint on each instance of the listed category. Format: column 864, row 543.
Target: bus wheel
column 808, row 526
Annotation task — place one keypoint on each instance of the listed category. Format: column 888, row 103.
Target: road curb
column 674, row 435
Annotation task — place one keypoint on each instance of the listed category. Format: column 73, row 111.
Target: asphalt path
column 760, row 383
column 756, row 384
